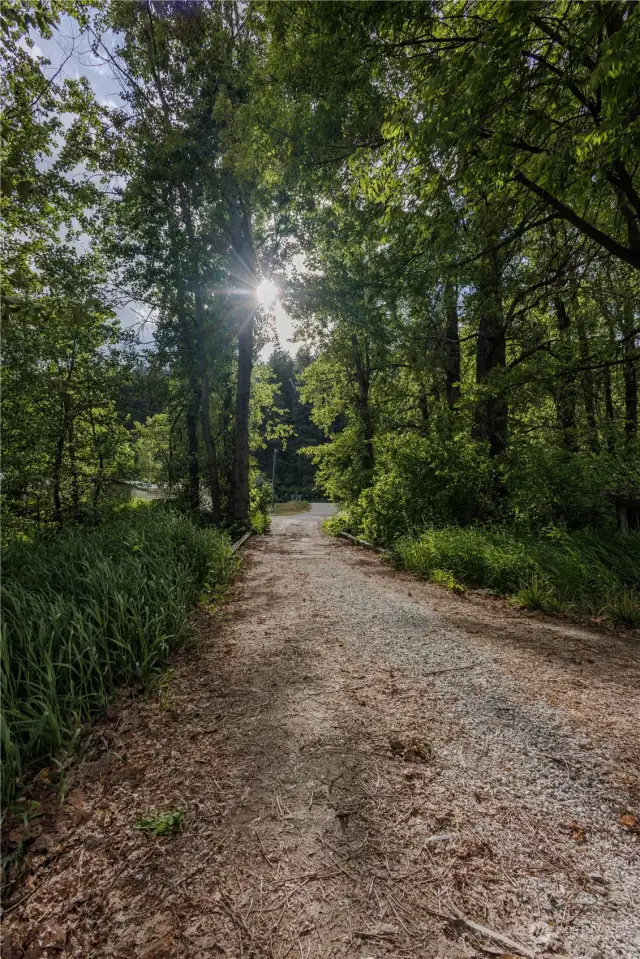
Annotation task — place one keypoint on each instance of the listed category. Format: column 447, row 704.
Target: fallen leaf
column 629, row 821
column 578, row 833
column 77, row 799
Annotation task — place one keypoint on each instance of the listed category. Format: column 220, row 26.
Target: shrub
column 260, row 497
column 337, row 524
column 88, row 610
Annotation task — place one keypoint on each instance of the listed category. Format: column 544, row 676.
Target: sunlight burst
column 267, row 293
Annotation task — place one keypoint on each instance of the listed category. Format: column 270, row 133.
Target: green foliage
column 153, row 449
column 162, row 823
column 89, row 610
column 337, row 524
column 260, row 504
column 580, row 573
column 295, row 474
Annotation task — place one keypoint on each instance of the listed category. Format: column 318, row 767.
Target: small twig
column 375, row 935
column 450, row 669
column 492, row 934
column 262, row 849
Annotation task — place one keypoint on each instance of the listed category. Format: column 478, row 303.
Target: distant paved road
column 319, row 511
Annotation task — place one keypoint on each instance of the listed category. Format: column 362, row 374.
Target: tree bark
column 363, row 377
column 452, row 345
column 246, row 260
column 588, row 392
column 193, row 490
column 565, row 394
column 491, row 415
column 630, row 372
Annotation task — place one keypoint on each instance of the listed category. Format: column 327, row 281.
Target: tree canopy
column 447, row 196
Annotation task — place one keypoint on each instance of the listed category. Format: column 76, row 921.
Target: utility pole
column 273, row 477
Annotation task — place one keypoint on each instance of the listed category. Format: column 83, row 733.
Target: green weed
column 161, row 824
column 443, row 578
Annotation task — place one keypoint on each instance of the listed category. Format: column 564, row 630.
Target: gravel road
column 368, row 766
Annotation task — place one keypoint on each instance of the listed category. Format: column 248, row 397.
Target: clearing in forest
column 364, row 766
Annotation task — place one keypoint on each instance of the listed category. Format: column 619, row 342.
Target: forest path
column 363, row 760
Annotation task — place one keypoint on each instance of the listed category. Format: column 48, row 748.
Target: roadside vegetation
column 584, row 573
column 580, row 573
column 88, row 611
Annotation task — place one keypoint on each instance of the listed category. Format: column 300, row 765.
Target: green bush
column 260, row 497
column 337, row 524
column 581, row 572
column 88, row 610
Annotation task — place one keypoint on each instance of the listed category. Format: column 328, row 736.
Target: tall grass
column 90, row 610
column 581, row 573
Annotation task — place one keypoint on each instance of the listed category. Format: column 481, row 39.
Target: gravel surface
column 368, row 766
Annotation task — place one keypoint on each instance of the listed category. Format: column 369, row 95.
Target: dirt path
column 367, row 767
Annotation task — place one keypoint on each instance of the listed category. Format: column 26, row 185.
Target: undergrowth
column 581, row 573
column 89, row 610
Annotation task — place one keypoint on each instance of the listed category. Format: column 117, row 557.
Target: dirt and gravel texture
column 368, row 766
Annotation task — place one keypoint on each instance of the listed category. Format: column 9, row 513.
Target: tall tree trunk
column 630, row 401
column 193, row 490
column 630, row 372
column 67, row 419
column 608, row 408
column 73, row 460
column 194, row 401
column 588, row 389
column 98, row 482
column 57, row 472
column 201, row 345
column 491, row 415
column 247, row 267
column 452, row 345
column 565, row 393
column 205, row 410
column 363, row 376
column 185, row 209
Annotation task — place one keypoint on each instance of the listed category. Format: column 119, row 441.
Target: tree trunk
column 588, row 390
column 363, row 377
column 630, row 372
column 565, row 394
column 193, row 491
column 608, row 408
column 491, row 415
column 57, row 473
column 243, row 398
column 205, row 410
column 205, row 399
column 98, row 482
column 246, row 261
column 73, row 460
column 452, row 345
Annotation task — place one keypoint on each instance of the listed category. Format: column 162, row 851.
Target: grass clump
column 90, row 610
column 582, row 573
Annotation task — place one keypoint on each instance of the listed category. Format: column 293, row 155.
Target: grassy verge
column 578, row 573
column 293, row 506
column 87, row 611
